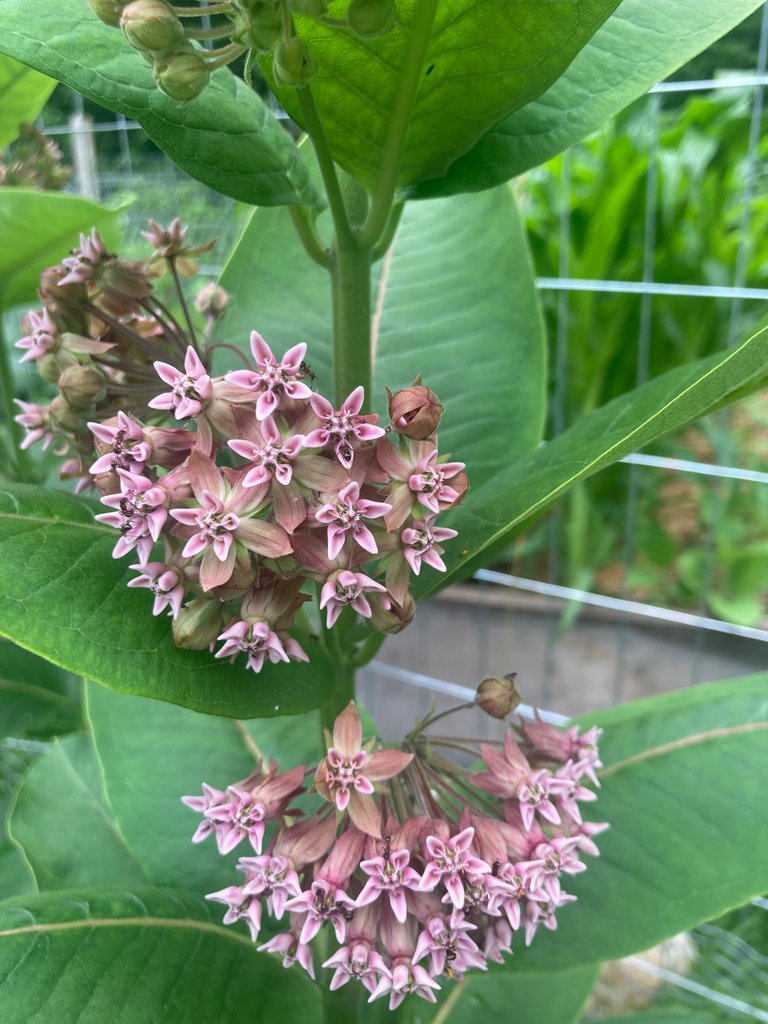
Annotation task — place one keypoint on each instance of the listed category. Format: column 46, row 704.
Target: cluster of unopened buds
column 260, row 491
column 420, row 868
column 168, row 38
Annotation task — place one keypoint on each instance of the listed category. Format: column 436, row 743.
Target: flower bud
column 312, row 8
column 82, row 386
column 294, row 63
column 498, row 696
column 198, row 624
column 371, row 18
column 64, row 416
column 152, row 25
column 182, row 76
column 259, row 28
column 415, row 411
column 108, row 11
column 49, row 369
column 388, row 616
column 212, row 300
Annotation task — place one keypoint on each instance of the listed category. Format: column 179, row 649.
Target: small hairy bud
column 49, row 368
column 259, row 28
column 198, row 624
column 152, row 25
column 498, row 696
column 182, row 76
column 64, row 416
column 212, row 300
column 371, row 18
column 82, row 386
column 108, row 11
column 414, row 412
column 294, row 63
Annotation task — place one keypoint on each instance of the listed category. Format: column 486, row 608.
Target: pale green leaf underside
column 23, row 93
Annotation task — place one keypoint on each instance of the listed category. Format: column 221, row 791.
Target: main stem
column 351, row 290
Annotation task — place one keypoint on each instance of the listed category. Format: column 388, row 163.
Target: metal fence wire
column 575, row 646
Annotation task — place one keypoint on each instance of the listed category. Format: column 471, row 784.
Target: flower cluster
column 259, row 489
column 419, row 880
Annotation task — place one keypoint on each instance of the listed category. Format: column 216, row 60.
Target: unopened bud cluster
column 418, row 868
column 182, row 68
column 238, row 496
column 33, row 161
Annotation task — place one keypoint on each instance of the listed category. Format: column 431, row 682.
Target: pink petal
column 348, row 732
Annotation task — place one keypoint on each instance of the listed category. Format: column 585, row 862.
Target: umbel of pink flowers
column 419, row 869
column 236, row 495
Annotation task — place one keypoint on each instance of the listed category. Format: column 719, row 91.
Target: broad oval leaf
column 683, row 790
column 152, row 755
column 63, row 824
column 226, row 138
column 480, row 61
column 39, row 699
column 95, row 955
column 39, row 228
column 641, row 43
column 674, row 1016
column 523, row 488
column 23, row 93
column 453, row 302
column 63, row 596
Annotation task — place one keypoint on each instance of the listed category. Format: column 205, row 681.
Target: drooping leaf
column 39, row 229
column 63, row 824
column 63, row 596
column 39, row 700
column 521, row 489
column 481, row 62
column 453, row 302
column 23, row 93
column 154, row 754
column 226, row 138
column 641, row 43
column 683, row 791
column 95, row 955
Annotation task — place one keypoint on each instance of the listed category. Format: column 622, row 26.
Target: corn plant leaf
column 641, row 43
column 129, row 955
column 63, row 596
column 226, row 138
column 23, row 93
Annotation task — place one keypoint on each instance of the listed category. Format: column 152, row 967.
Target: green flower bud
column 294, row 63
column 48, row 368
column 152, row 25
column 108, row 11
column 371, row 18
column 182, row 76
column 259, row 30
column 312, row 8
column 82, row 386
column 65, row 417
column 198, row 624
column 498, row 696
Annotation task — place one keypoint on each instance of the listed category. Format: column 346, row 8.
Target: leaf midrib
column 45, row 521
column 128, row 922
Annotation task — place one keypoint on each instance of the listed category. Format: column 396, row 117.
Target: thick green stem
column 351, row 281
column 343, row 684
column 22, row 466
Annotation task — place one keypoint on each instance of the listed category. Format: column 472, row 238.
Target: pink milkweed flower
column 519, row 883
column 551, row 859
column 570, row 790
column 343, row 427
column 42, row 339
column 498, row 940
column 241, row 906
column 122, row 445
column 421, row 543
column 451, row 859
column 360, row 961
column 189, row 390
column 347, row 587
column 271, row 877
column 534, row 795
column 345, row 514
column 245, row 811
column 164, row 583
column 140, row 515
column 211, row 798
column 585, row 831
column 428, row 482
column 448, row 946
column 392, row 875
column 322, row 902
column 271, row 455
column 418, row 479
column 272, row 380
column 36, row 420
column 214, row 524
column 405, row 978
column 84, row 259
column 257, row 640
column 293, row 951
column 543, row 913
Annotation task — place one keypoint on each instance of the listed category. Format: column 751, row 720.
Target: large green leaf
column 23, row 93
column 683, row 790
column 642, row 42
column 522, row 488
column 226, row 138
column 131, row 957
column 153, row 754
column 63, row 596
column 62, row 822
column 682, row 1016
column 480, row 62
column 15, row 873
column 39, row 700
column 454, row 301
column 38, row 229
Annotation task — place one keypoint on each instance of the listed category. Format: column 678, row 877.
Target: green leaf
column 454, row 303
column 62, row 822
column 63, row 596
column 641, row 43
column 23, row 93
column 91, row 955
column 481, row 61
column 153, row 754
column 39, row 699
column 523, row 488
column 662, row 1017
column 40, row 228
column 15, row 873
column 683, row 790
column 225, row 138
